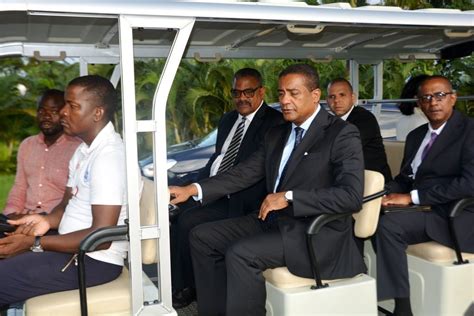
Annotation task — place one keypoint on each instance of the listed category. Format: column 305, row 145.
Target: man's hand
column 273, row 202
column 32, row 225
column 182, row 194
column 15, row 244
column 397, row 199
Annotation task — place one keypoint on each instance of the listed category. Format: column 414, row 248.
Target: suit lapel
column 314, row 134
column 417, row 143
column 278, row 152
column 450, row 133
column 252, row 129
column 225, row 130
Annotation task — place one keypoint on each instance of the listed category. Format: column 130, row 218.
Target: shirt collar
column 58, row 141
column 345, row 116
column 99, row 139
column 309, row 120
column 250, row 117
column 438, row 130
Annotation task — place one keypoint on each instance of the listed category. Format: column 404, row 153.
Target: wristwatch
column 37, row 245
column 289, row 196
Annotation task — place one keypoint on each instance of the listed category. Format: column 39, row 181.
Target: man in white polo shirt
column 95, row 197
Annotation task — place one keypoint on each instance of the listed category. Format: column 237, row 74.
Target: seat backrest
column 394, row 151
column 148, row 217
column 367, row 218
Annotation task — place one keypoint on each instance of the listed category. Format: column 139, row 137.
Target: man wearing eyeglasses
column 239, row 134
column 437, row 170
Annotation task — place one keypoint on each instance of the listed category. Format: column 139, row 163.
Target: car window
column 209, row 140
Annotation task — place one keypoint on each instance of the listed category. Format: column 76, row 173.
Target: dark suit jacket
column 372, row 143
column 444, row 176
column 326, row 176
column 249, row 199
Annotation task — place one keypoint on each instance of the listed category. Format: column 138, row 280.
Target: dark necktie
column 428, row 146
column 298, row 138
column 233, row 149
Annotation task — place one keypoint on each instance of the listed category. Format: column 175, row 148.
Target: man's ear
column 316, row 95
column 99, row 113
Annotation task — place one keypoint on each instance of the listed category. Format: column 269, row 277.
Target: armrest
column 324, row 219
column 456, row 210
column 460, row 206
column 315, row 227
column 90, row 243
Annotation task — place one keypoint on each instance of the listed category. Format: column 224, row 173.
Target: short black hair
column 435, row 77
column 249, row 72
column 102, row 89
column 54, row 94
column 341, row 80
column 409, row 91
column 310, row 73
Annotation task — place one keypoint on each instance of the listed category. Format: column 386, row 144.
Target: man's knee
column 387, row 225
column 238, row 252
column 199, row 237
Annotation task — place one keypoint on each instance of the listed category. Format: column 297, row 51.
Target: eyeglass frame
column 438, row 96
column 248, row 93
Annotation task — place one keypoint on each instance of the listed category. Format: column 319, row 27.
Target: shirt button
column 46, row 149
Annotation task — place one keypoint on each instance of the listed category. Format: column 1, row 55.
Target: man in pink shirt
column 43, row 159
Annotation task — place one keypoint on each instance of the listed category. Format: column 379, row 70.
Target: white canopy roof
column 89, row 28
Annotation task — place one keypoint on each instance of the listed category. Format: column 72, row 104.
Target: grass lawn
column 6, row 182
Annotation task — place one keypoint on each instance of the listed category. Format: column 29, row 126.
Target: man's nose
column 283, row 99
column 63, row 111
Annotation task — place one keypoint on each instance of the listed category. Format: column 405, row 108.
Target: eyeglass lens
column 248, row 93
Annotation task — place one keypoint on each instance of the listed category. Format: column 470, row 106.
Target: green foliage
column 6, row 182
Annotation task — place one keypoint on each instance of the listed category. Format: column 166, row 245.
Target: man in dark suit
column 234, row 144
column 341, row 100
column 312, row 165
column 437, row 170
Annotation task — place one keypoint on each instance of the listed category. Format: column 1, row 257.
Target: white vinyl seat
column 112, row 298
column 439, row 284
column 288, row 294
column 394, row 151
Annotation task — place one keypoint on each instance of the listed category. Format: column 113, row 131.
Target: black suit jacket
column 445, row 176
column 326, row 176
column 372, row 142
column 249, row 199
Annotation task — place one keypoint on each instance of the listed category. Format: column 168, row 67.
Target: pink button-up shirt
column 41, row 175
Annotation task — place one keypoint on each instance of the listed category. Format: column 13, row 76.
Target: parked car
column 190, row 157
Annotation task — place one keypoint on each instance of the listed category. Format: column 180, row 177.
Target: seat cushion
column 435, row 252
column 111, row 298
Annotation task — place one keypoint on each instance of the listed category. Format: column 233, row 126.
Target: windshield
column 209, row 140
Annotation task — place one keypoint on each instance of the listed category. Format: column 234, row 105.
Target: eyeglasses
column 248, row 93
column 438, row 96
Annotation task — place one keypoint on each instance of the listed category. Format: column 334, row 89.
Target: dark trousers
column 229, row 257
column 32, row 274
column 395, row 232
column 181, row 265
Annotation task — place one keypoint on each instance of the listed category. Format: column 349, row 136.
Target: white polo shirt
column 97, row 176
